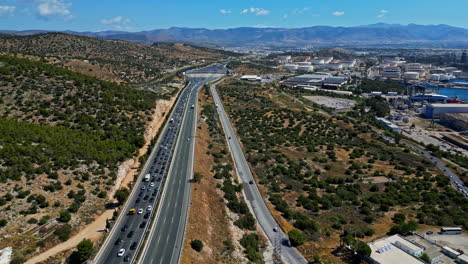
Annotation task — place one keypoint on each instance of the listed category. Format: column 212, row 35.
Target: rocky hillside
column 113, row 60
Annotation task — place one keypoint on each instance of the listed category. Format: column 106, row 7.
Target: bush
column 425, row 257
column 65, row 217
column 296, row 237
column 196, row 245
column 121, row 195
column 84, row 250
column 3, row 222
column 63, row 232
column 246, row 222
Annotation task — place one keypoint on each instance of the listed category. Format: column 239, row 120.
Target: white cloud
column 256, row 10
column 338, row 13
column 6, row 10
column 54, row 8
column 119, row 20
column 285, row 16
column 297, row 11
column 382, row 13
column 224, row 11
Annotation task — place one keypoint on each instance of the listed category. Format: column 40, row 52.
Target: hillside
column 113, row 60
column 62, row 137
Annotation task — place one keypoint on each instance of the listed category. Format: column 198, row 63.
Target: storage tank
column 434, row 77
column 411, row 75
column 291, row 67
column 307, row 68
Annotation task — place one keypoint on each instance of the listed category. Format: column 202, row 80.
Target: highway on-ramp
column 288, row 254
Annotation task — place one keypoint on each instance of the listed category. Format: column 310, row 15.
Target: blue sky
column 136, row 15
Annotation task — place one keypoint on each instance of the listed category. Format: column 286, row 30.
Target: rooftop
column 449, row 105
column 384, row 252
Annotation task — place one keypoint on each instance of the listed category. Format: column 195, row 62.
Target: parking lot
column 331, row 102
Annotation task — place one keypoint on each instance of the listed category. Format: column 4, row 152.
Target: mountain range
column 375, row 34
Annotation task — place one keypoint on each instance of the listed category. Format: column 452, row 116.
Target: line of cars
column 151, row 184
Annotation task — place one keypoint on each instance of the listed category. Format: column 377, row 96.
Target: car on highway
column 275, row 229
column 152, row 184
column 154, row 194
column 140, row 194
column 146, row 197
column 151, row 199
column 133, row 246
column 138, row 200
column 118, row 241
column 127, row 258
column 143, row 187
column 140, row 211
column 147, row 215
column 130, row 234
column 143, row 224
column 124, row 228
column 121, row 252
column 150, row 189
column 149, row 208
column 251, row 182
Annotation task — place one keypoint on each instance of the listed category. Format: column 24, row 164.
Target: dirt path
column 94, row 230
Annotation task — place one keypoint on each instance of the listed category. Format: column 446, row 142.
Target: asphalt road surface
column 129, row 230
column 165, row 241
column 288, row 254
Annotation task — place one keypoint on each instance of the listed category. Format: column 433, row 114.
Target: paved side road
column 454, row 179
column 253, row 197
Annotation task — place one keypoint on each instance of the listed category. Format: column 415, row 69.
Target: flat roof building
column 394, row 249
column 435, row 110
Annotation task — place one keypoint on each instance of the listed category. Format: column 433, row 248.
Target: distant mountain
column 376, row 34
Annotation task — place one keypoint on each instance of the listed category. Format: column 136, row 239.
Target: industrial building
column 389, row 125
column 394, row 249
column 252, row 78
column 435, row 110
column 456, row 121
column 462, row 259
column 451, row 253
column 317, row 79
column 391, row 72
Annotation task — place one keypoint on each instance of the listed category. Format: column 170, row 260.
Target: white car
column 152, row 184
column 149, row 208
column 275, row 229
column 140, row 211
column 121, row 252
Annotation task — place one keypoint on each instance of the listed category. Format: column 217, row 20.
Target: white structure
column 306, row 68
column 397, row 129
column 415, row 67
column 317, row 61
column 462, row 259
column 451, row 253
column 457, row 73
column 376, row 93
column 252, row 78
column 332, row 66
column 391, row 72
column 434, row 77
column 290, row 67
column 283, row 59
column 327, row 59
column 348, row 63
column 411, row 76
column 435, row 110
column 303, row 63
column 395, row 249
column 395, row 61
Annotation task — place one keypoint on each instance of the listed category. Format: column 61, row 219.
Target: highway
column 254, row 199
column 129, row 230
column 165, row 241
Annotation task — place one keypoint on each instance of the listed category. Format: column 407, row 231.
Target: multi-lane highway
column 254, row 198
column 128, row 232
column 165, row 241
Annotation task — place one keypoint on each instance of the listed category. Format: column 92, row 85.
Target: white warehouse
column 435, row 110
